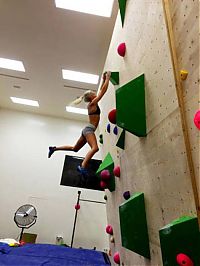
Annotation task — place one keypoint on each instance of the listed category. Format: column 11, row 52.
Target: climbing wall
column 185, row 17
column 155, row 165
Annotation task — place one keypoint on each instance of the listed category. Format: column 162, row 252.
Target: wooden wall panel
column 185, row 19
column 156, row 165
column 147, row 52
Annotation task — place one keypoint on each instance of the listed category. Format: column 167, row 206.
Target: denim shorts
column 88, row 130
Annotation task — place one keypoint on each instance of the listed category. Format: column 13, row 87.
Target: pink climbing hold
column 77, row 206
column 109, row 229
column 116, row 258
column 122, row 49
column 103, row 184
column 184, row 260
column 197, row 119
column 116, row 171
column 112, row 116
column 105, row 175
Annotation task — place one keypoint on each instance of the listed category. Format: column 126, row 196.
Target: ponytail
column 77, row 100
column 84, row 97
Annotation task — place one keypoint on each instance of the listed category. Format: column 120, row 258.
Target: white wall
column 28, row 176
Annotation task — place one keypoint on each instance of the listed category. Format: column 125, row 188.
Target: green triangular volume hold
column 108, row 164
column 180, row 236
column 130, row 105
column 114, row 78
column 122, row 8
column 133, row 225
column 121, row 140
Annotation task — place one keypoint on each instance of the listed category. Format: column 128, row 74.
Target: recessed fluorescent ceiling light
column 80, row 76
column 95, row 7
column 25, row 101
column 11, row 64
column 76, row 110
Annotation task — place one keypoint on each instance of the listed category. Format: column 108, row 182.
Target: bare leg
column 92, row 141
column 79, row 144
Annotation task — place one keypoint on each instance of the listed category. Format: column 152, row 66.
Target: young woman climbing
column 88, row 135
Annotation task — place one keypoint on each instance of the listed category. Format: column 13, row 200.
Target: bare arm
column 103, row 89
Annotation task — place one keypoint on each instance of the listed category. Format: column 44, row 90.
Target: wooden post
column 179, row 90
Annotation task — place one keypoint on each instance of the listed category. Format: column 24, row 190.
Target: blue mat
column 49, row 255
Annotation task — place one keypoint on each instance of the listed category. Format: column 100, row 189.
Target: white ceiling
column 48, row 39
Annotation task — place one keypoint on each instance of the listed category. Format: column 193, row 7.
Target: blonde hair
column 85, row 97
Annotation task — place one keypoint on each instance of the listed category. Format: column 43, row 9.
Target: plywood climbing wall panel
column 147, row 52
column 156, row 165
column 185, row 19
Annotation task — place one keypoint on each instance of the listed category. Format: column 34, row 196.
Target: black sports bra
column 97, row 112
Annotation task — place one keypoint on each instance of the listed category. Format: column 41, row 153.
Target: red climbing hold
column 122, row 49
column 77, row 206
column 116, row 258
column 197, row 119
column 184, row 260
column 105, row 175
column 109, row 229
column 112, row 116
column 116, row 171
column 103, row 184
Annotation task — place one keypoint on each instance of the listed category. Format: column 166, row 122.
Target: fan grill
column 25, row 216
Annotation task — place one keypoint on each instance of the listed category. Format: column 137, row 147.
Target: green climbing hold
column 101, row 138
column 114, row 78
column 122, row 8
column 130, row 105
column 108, row 164
column 133, row 224
column 180, row 236
column 121, row 140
